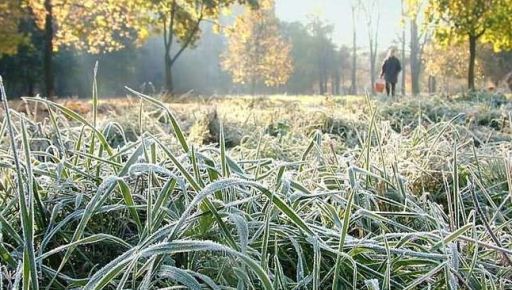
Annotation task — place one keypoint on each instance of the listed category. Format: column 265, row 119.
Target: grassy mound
column 313, row 202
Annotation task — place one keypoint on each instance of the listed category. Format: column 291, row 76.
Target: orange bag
column 380, row 85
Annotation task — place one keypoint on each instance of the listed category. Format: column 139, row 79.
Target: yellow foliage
column 10, row 15
column 92, row 25
column 448, row 62
column 256, row 51
column 456, row 20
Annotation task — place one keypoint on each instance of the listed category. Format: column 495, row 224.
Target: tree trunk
column 415, row 59
column 48, row 50
column 336, row 79
column 373, row 59
column 373, row 37
column 30, row 88
column 353, row 85
column 168, row 72
column 168, row 39
column 472, row 56
column 403, row 52
column 431, row 84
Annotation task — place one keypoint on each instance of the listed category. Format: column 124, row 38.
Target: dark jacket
column 390, row 69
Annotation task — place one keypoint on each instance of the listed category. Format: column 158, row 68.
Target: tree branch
column 189, row 38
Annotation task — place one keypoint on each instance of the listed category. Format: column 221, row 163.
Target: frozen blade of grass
column 453, row 266
column 344, row 231
column 280, row 279
column 75, row 116
column 455, row 189
column 233, row 182
column 149, row 168
column 223, row 159
column 163, row 198
column 180, row 276
column 105, row 275
column 300, row 259
column 5, row 255
column 53, row 120
column 86, row 241
column 317, row 259
column 207, row 280
column 426, row 276
column 195, row 185
column 126, row 275
column 102, row 160
column 190, row 179
column 17, row 276
column 103, row 190
column 243, row 231
column 195, row 167
column 95, row 96
column 176, row 127
column 315, row 141
column 487, row 227
column 386, row 283
column 146, row 281
column 6, row 225
column 128, row 199
column 132, row 160
column 452, row 237
column 30, row 278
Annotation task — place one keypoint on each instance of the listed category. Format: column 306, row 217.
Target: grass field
column 279, row 192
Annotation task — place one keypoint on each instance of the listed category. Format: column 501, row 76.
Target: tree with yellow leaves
column 458, row 21
column 179, row 21
column 257, row 54
column 448, row 64
column 88, row 25
column 10, row 16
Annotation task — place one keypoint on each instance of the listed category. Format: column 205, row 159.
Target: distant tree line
column 49, row 47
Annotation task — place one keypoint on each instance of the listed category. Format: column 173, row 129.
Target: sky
column 338, row 12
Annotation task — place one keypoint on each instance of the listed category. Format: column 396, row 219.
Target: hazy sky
column 338, row 13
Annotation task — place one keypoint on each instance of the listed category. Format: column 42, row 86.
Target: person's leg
column 387, row 88
column 393, row 87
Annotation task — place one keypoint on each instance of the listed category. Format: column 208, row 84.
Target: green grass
column 316, row 193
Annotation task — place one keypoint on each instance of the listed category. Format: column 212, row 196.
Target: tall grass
column 161, row 213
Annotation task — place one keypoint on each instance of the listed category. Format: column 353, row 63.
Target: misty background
column 198, row 70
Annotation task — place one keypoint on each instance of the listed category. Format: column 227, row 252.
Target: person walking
column 390, row 70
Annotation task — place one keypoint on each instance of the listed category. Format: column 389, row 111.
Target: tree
column 372, row 17
column 448, row 63
column 495, row 66
column 354, row 7
column 304, row 76
column 402, row 56
column 88, row 25
column 11, row 14
column 458, row 21
column 257, row 53
column 317, row 62
column 179, row 21
column 418, row 40
column 21, row 68
column 324, row 51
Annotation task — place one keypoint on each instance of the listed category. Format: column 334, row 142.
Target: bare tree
column 418, row 40
column 354, row 5
column 372, row 17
